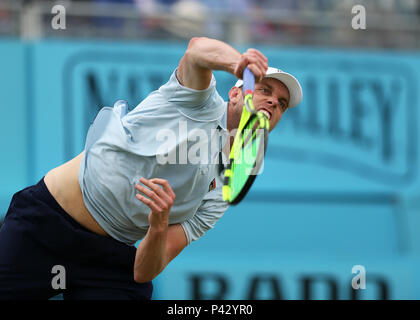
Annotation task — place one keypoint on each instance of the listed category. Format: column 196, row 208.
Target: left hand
column 160, row 200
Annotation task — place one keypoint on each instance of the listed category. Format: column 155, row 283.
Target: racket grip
column 249, row 81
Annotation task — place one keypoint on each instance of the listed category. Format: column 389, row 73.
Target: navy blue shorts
column 37, row 235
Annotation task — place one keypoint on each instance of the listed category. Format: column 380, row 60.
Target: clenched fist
column 255, row 61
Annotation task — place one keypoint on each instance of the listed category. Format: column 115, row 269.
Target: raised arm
column 204, row 55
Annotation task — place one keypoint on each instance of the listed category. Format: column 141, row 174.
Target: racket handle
column 249, row 81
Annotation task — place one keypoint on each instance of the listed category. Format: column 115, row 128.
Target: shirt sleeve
column 175, row 92
column 210, row 211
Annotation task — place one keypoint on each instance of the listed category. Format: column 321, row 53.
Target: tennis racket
column 249, row 146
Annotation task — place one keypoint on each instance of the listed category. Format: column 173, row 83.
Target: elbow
column 139, row 278
column 194, row 42
column 196, row 46
column 146, row 275
column 193, row 49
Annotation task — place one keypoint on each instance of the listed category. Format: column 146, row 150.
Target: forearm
column 153, row 253
column 213, row 54
column 151, row 257
column 202, row 56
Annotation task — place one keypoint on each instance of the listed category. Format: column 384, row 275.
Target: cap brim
column 292, row 84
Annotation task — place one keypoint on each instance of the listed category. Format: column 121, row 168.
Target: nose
column 273, row 102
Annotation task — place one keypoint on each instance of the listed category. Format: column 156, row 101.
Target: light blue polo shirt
column 176, row 134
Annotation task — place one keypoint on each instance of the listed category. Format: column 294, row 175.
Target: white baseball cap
column 295, row 90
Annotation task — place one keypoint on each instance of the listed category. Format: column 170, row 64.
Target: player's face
column 271, row 97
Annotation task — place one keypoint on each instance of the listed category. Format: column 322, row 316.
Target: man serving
column 87, row 214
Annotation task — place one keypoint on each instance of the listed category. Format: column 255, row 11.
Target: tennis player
column 86, row 215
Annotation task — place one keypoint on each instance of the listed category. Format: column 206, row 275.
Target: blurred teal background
column 339, row 182
column 340, row 185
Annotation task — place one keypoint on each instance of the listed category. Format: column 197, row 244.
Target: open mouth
column 267, row 114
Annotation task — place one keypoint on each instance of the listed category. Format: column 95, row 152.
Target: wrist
column 158, row 230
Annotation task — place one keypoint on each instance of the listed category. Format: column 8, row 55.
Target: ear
column 235, row 94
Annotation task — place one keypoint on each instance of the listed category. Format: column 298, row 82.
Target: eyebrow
column 271, row 88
